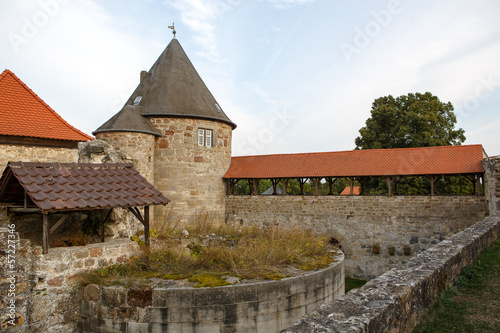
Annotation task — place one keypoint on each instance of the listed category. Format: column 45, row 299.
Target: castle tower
column 177, row 135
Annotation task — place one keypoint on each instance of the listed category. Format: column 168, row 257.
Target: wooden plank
column 61, row 220
column 45, row 234
column 146, row 225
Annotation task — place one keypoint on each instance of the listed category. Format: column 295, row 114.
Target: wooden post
column 274, row 182
column 351, row 185
column 316, row 185
column 146, row 225
column 433, row 180
column 330, row 181
column 284, row 183
column 102, row 228
column 388, row 180
column 302, row 181
column 46, row 233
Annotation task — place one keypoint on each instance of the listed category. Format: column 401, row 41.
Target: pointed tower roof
column 129, row 119
column 24, row 114
column 172, row 87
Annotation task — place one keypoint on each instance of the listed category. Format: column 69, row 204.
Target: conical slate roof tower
column 172, row 87
column 177, row 135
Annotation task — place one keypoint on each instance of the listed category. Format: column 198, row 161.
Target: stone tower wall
column 188, row 174
column 491, row 167
column 137, row 148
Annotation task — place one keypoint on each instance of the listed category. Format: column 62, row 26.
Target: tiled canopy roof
column 464, row 159
column 23, row 113
column 77, row 186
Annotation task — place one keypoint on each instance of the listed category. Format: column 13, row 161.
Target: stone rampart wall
column 397, row 300
column 262, row 307
column 43, row 288
column 361, row 223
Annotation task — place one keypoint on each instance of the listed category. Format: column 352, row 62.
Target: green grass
column 473, row 304
column 351, row 283
column 251, row 253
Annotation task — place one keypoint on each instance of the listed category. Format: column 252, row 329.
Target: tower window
column 205, row 137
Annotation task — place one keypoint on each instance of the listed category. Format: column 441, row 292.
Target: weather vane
column 173, row 29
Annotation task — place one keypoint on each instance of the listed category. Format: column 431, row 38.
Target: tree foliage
column 408, row 121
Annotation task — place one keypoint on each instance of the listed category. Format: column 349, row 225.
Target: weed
column 250, row 252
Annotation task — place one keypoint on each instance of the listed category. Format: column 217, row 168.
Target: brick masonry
column 397, row 300
column 45, row 286
column 263, row 307
column 361, row 222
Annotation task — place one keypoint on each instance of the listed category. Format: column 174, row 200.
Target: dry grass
column 243, row 252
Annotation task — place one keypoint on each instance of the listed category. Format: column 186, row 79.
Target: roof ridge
column 28, row 89
column 356, row 150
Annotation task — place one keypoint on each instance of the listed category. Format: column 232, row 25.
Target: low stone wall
column 397, row 300
column 259, row 307
column 364, row 223
column 42, row 287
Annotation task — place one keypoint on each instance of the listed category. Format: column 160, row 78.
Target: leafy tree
column 408, row 121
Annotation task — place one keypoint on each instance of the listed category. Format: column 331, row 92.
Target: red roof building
column 25, row 115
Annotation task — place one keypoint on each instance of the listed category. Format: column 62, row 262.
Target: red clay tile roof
column 464, row 159
column 77, row 186
column 347, row 190
column 23, row 113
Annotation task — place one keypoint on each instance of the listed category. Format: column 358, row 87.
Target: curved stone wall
column 259, row 307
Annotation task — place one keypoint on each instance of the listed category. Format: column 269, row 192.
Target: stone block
column 113, row 296
column 138, row 327
column 156, row 315
column 96, row 252
column 214, row 296
column 180, row 297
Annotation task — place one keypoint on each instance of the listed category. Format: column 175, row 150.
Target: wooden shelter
column 65, row 187
column 432, row 163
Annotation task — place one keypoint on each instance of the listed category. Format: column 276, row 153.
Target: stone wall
column 27, row 153
column 188, row 174
column 361, row 224
column 263, row 307
column 397, row 300
column 132, row 147
column 491, row 167
column 43, row 287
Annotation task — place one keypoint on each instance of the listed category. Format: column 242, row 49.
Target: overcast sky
column 294, row 75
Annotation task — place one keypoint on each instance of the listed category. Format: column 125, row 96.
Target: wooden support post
column 274, row 182
column 316, row 185
column 256, row 186
column 103, row 221
column 351, row 185
column 362, row 185
column 45, row 234
column 432, row 180
column 284, row 183
column 146, row 226
column 302, row 181
column 478, row 184
column 330, row 181
column 389, row 181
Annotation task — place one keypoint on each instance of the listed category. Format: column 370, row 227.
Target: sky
column 296, row 76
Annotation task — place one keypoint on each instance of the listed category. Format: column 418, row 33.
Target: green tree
column 408, row 121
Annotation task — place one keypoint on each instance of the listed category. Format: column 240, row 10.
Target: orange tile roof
column 464, row 159
column 23, row 113
column 347, row 190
